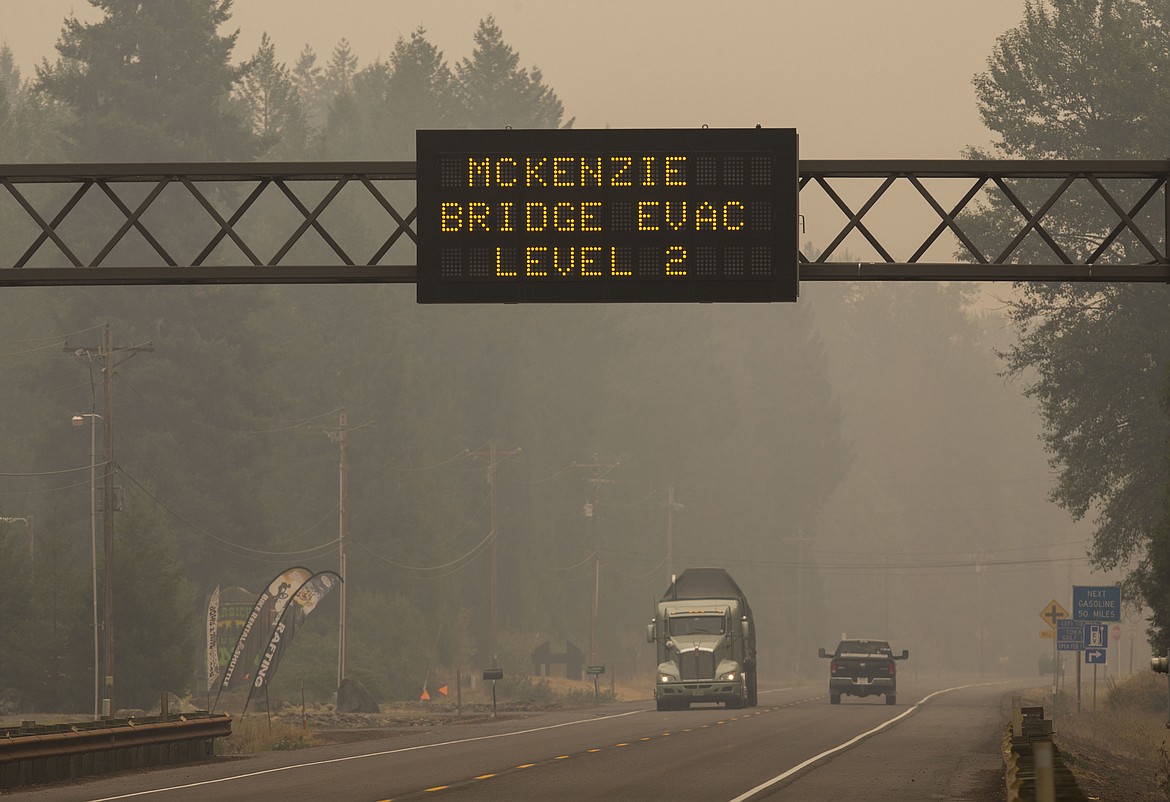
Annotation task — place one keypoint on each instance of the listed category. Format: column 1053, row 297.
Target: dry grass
column 258, row 733
column 1120, row 752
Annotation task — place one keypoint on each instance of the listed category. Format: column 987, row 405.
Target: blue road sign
column 1096, row 636
column 1095, row 657
column 1096, row 603
column 1070, row 635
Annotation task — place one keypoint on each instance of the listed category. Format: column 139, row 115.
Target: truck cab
column 706, row 643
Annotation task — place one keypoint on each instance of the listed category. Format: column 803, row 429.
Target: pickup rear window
column 864, row 647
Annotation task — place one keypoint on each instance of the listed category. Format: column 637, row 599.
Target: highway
column 940, row 742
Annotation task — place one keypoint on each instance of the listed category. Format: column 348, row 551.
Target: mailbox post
column 493, row 674
column 1162, row 666
column 595, row 671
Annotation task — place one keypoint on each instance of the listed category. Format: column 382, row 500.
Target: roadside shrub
column 1145, row 691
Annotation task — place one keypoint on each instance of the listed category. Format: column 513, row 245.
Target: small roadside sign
column 493, row 673
column 594, row 669
column 1096, row 657
column 1048, row 634
column 1053, row 612
column 1097, row 602
column 1096, row 636
column 1070, row 635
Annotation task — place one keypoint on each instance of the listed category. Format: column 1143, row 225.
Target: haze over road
column 942, row 743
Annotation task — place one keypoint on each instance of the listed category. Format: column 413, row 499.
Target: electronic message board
column 648, row 215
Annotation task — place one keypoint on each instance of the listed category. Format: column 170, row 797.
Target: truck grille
column 696, row 665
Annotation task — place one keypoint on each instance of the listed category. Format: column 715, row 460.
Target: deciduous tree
column 1085, row 79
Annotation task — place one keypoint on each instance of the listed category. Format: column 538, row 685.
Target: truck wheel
column 834, row 698
column 891, row 699
column 753, row 696
column 736, row 704
column 664, row 704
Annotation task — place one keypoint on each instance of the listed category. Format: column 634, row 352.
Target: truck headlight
column 665, row 678
column 729, row 676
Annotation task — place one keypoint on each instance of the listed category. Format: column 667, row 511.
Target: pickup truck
column 863, row 667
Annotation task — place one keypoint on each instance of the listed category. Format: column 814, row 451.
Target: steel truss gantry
column 342, row 222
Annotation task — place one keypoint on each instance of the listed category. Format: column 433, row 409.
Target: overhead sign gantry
column 571, row 215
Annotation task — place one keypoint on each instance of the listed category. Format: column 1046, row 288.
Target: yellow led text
column 576, row 171
column 534, row 217
column 673, row 215
column 579, row 261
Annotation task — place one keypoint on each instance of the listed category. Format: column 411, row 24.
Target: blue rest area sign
column 1070, row 635
column 1096, row 603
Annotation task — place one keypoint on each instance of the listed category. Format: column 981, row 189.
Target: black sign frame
column 582, row 215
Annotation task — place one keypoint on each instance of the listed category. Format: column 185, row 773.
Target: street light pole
column 77, row 421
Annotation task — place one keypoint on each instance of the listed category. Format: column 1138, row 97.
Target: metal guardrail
column 1033, row 768
column 32, row 753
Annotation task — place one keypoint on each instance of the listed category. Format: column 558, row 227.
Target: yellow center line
column 644, row 739
column 436, row 788
column 593, row 750
column 563, row 757
column 485, row 776
column 526, row 765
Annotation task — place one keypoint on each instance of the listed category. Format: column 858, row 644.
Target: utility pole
column 342, row 497
column 338, row 436
column 106, row 353
column 671, row 506
column 800, row 541
column 597, row 471
column 493, row 457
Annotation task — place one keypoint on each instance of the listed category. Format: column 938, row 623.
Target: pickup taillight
column 832, row 666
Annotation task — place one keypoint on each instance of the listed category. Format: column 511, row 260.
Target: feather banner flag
column 213, row 639
column 269, row 606
column 303, row 602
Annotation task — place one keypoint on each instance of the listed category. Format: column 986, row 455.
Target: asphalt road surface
column 941, row 742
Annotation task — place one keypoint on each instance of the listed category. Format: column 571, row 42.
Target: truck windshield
column 696, row 625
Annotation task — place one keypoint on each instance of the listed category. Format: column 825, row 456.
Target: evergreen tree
column 150, row 81
column 269, row 94
column 493, row 91
column 340, row 70
column 154, row 605
column 30, row 125
column 378, row 110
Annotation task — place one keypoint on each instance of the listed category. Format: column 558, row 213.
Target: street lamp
column 78, row 420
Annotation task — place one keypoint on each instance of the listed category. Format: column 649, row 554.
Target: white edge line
column 362, row 756
column 746, row 795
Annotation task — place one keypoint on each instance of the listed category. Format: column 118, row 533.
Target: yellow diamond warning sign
column 1053, row 612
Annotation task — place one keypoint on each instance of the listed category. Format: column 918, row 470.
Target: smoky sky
column 858, row 78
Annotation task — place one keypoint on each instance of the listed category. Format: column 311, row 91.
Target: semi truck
column 706, row 642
